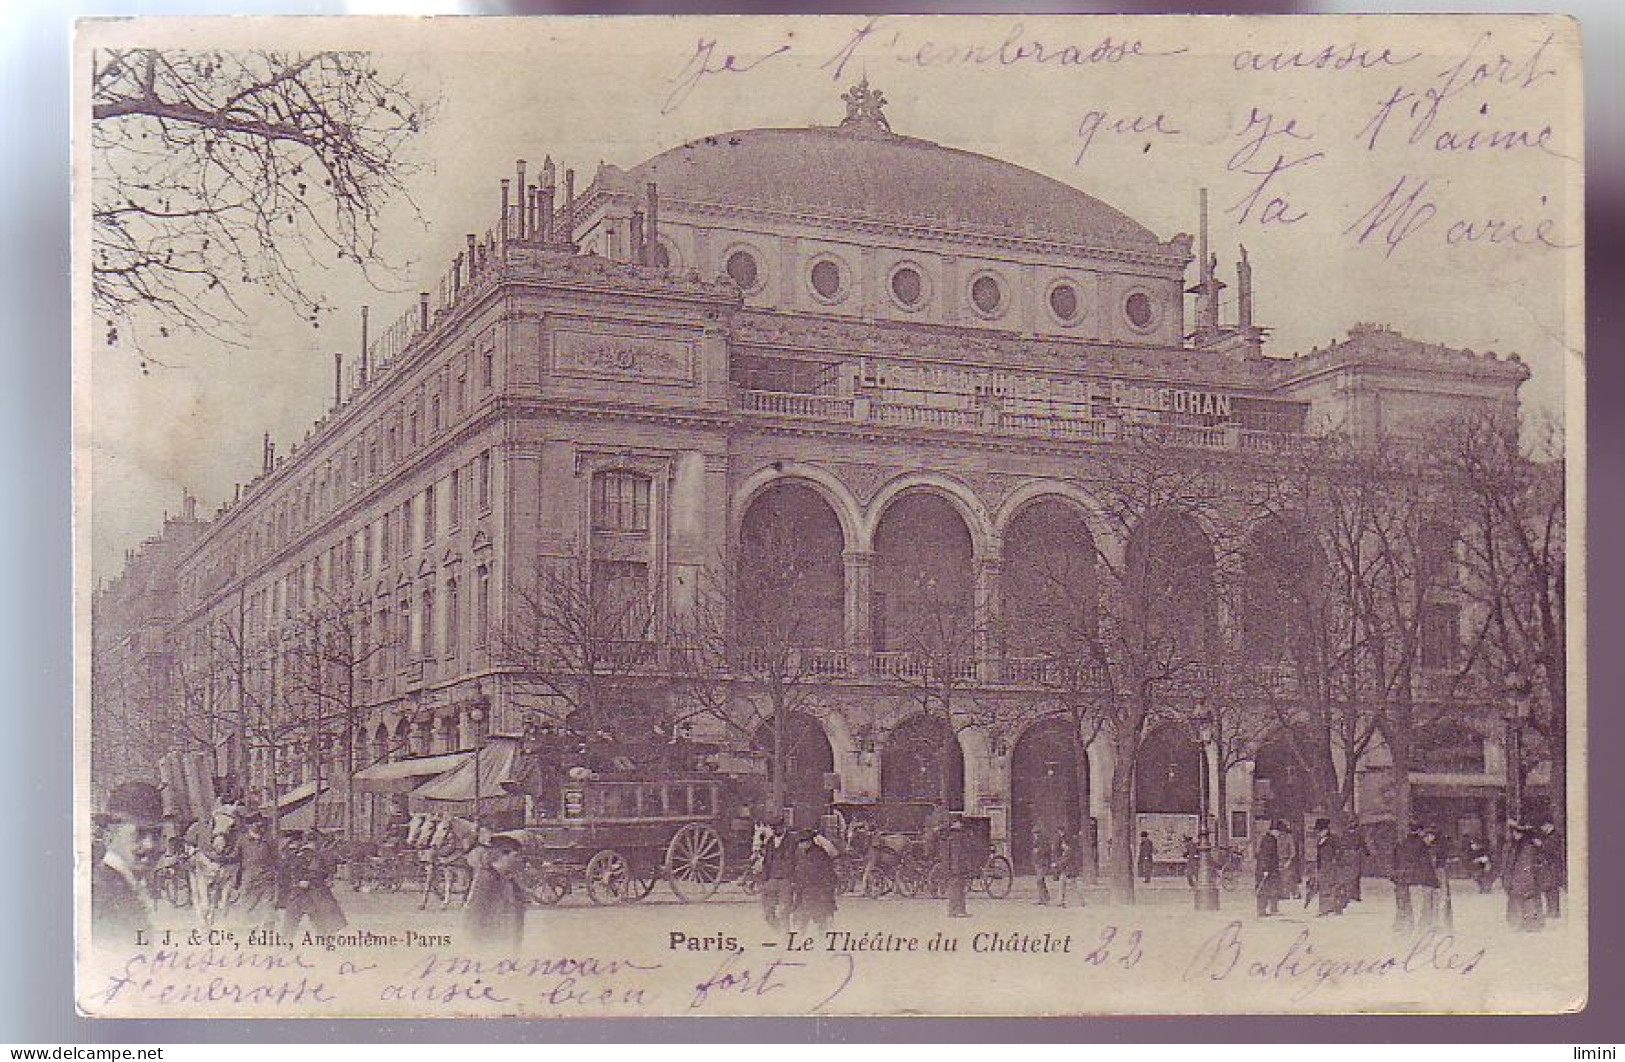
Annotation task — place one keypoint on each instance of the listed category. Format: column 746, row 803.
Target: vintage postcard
column 832, row 515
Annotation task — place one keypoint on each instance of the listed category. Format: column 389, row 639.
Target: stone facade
column 623, row 376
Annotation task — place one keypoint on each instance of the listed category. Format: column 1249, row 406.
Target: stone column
column 859, row 579
column 987, row 610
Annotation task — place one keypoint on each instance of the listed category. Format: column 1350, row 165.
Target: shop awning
column 299, row 794
column 402, row 776
column 493, row 770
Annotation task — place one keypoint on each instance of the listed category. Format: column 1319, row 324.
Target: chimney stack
column 338, row 379
column 519, row 189
column 471, row 258
column 265, row 454
column 640, row 250
column 1244, row 292
column 502, row 226
column 546, row 203
column 423, row 311
column 364, row 353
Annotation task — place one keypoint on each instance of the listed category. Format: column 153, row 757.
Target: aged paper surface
column 913, row 515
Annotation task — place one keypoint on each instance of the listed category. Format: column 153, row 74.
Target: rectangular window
column 488, row 366
column 482, row 605
column 406, row 526
column 434, row 413
column 386, row 538
column 455, row 501
column 453, row 619
column 428, row 623
column 429, row 528
column 459, row 398
column 620, row 598
column 1441, row 636
column 412, row 430
column 366, row 550
column 485, row 481
column 620, row 502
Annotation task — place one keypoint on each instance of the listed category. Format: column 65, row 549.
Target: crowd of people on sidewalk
column 1531, row 868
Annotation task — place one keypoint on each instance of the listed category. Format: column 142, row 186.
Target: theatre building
column 905, row 351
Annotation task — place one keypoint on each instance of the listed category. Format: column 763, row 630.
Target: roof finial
column 865, row 106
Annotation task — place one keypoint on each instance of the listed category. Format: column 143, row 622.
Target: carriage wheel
column 995, row 877
column 608, row 877
column 547, row 889
column 694, row 862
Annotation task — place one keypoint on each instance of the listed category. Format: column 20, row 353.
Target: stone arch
column 1168, row 774
column 1034, row 491
column 1282, row 566
column 924, row 581
column 809, row 757
column 1172, row 567
column 829, row 486
column 1050, row 785
column 1048, row 579
column 912, row 763
column 790, row 565
column 971, row 510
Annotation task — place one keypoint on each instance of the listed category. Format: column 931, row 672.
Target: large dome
column 845, row 173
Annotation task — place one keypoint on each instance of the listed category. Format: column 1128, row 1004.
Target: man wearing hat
column 132, row 828
column 495, row 915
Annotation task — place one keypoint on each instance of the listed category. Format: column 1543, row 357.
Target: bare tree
column 333, row 650
column 218, row 172
column 1515, row 554
column 761, row 644
column 1157, row 633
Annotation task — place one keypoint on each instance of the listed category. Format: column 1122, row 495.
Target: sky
column 1465, row 131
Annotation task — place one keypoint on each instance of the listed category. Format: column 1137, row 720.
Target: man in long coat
column 1413, row 869
column 1551, row 869
column 495, row 915
column 1267, row 873
column 132, row 829
column 813, row 884
column 256, row 899
column 778, row 861
column 1328, row 869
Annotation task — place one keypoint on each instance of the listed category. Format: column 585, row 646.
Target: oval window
column 742, row 268
column 986, row 295
column 1138, row 308
column 826, row 279
column 1063, row 302
column 908, row 286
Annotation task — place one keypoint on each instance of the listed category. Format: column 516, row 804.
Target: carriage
column 617, row 835
column 896, row 846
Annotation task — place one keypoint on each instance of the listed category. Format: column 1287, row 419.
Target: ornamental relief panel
column 623, row 356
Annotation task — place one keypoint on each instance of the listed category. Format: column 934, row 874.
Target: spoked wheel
column 694, row 862
column 546, row 889
column 609, row 878
column 995, row 878
column 909, row 879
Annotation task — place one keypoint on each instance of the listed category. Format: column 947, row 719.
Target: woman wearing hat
column 495, row 915
column 132, row 831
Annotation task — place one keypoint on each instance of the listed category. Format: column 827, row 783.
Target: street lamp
column 1518, row 689
column 1207, row 884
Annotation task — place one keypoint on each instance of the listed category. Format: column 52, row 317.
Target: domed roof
column 875, row 174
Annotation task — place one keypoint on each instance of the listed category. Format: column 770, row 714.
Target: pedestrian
column 1354, row 851
column 778, row 860
column 1043, row 856
column 1267, row 872
column 1328, row 869
column 131, row 829
column 1479, row 865
column 1551, row 869
column 256, row 897
column 1413, row 870
column 1521, row 875
column 494, row 917
column 1190, row 854
column 1433, row 913
column 1069, row 866
column 813, row 882
column 1291, row 865
column 957, row 862
column 310, row 890
column 1147, row 856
